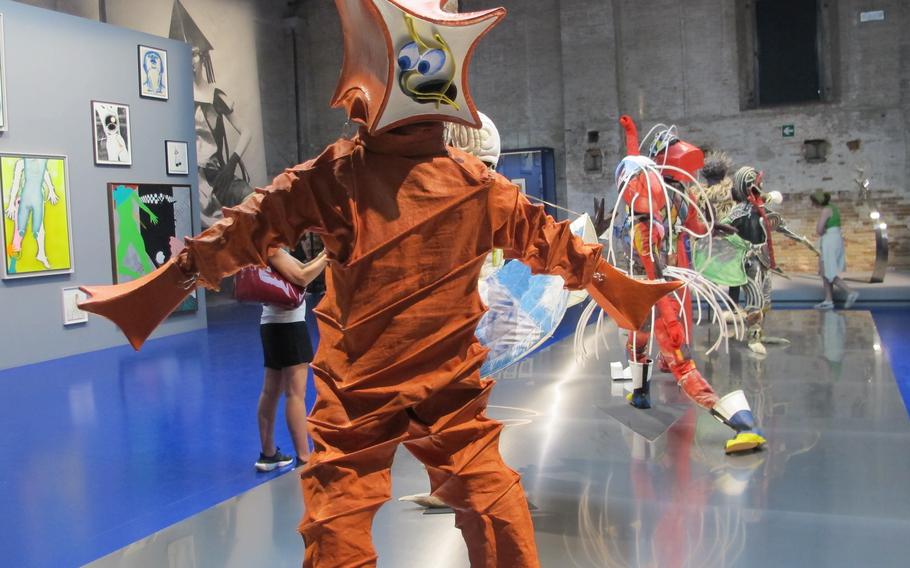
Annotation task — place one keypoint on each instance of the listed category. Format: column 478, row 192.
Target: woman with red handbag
column 287, row 352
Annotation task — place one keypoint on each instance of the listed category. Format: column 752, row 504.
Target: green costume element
column 125, row 202
column 726, row 264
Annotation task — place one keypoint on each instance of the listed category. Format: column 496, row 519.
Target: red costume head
column 644, row 190
column 406, row 61
column 668, row 150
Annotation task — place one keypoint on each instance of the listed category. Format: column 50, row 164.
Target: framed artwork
column 175, row 153
column 2, row 78
column 71, row 312
column 112, row 134
column 36, row 218
column 148, row 225
column 152, row 72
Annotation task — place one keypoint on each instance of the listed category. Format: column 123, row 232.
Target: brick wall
column 857, row 228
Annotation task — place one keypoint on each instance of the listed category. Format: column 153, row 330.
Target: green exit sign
column 788, row 130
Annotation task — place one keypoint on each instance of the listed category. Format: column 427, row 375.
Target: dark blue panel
column 892, row 329
column 101, row 449
column 537, row 167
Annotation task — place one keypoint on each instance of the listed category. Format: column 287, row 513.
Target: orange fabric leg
column 346, row 480
column 348, row 476
column 459, row 445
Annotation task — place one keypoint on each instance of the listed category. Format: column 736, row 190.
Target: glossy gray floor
column 614, row 487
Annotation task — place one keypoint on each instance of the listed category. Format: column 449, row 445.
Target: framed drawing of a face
column 153, row 81
column 112, row 134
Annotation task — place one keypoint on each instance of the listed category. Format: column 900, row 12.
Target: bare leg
column 295, row 379
column 839, row 282
column 272, row 388
column 829, row 290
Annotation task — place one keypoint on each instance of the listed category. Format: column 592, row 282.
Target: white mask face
column 483, row 142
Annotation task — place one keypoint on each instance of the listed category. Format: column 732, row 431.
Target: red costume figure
column 407, row 223
column 652, row 212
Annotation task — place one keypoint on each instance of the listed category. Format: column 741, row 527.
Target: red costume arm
column 524, row 231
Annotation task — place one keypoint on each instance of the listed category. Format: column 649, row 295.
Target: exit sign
column 788, row 130
column 872, row 16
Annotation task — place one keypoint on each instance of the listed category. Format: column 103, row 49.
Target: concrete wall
column 556, row 70
column 55, row 65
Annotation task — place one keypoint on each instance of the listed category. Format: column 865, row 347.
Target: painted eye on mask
column 408, row 57
column 431, row 62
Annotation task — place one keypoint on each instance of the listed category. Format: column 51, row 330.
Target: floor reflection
column 829, row 490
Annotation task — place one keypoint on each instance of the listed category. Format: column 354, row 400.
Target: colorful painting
column 148, row 225
column 36, row 222
column 152, row 72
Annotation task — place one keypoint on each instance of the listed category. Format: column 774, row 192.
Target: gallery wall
column 55, row 65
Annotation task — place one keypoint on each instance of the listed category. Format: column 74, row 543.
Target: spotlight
column 875, row 215
column 876, row 347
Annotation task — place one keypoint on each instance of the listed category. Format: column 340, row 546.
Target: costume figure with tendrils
column 755, row 223
column 407, row 223
column 657, row 215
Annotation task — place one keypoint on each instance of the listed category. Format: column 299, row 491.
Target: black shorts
column 285, row 344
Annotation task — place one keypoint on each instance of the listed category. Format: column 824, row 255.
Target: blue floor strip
column 104, row 448
column 893, row 331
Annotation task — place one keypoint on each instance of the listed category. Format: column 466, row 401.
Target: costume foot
column 639, row 400
column 851, row 299
column 748, row 441
column 640, row 397
column 425, row 500
column 733, row 410
column 826, row 305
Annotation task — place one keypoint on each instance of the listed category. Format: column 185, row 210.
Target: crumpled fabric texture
column 407, row 224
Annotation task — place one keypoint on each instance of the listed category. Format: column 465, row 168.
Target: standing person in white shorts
column 287, row 352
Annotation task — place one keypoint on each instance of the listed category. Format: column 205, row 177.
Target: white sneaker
column 851, row 299
column 826, row 305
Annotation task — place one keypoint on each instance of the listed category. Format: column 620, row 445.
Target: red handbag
column 265, row 285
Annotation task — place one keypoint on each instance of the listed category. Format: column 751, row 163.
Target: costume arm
column 524, row 231
column 275, row 216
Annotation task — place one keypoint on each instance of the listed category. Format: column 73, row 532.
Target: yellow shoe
column 744, row 442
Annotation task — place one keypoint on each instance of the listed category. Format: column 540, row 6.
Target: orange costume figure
column 407, row 223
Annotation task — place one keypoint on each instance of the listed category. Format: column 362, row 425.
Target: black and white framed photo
column 112, row 134
column 152, row 72
column 177, row 160
column 2, row 78
column 71, row 312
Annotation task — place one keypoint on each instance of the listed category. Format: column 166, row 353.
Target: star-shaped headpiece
column 407, row 61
